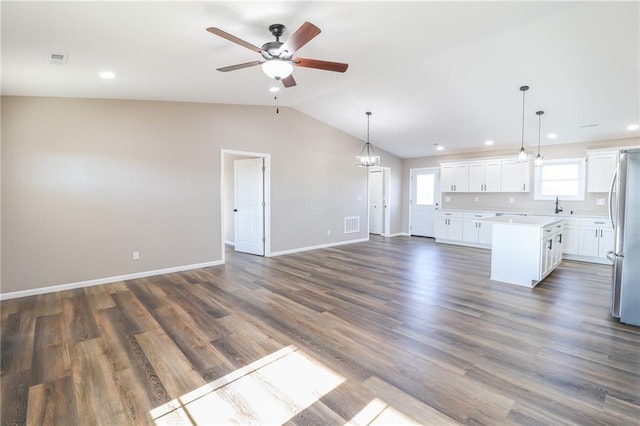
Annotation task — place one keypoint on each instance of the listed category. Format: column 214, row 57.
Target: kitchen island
column 524, row 249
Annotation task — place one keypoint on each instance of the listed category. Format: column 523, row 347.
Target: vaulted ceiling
column 444, row 73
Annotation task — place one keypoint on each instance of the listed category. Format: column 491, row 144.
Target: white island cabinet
column 524, row 249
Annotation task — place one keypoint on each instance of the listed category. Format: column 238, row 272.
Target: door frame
column 439, row 200
column 267, row 196
column 386, row 197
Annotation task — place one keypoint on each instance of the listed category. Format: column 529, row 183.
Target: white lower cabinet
column 448, row 226
column 596, row 238
column 571, row 236
column 584, row 239
column 550, row 249
column 474, row 231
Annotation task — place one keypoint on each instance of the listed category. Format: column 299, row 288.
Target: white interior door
column 425, row 200
column 249, row 205
column 376, row 202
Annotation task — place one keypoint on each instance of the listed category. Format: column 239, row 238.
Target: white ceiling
column 431, row 72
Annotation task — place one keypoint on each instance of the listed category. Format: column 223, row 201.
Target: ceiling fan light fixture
column 367, row 157
column 277, row 69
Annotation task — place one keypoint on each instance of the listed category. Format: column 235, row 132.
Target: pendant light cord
column 368, row 144
column 523, row 95
column 539, row 128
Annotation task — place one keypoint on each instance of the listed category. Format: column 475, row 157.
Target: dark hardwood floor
column 381, row 332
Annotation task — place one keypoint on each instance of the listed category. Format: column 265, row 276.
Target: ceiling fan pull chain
column 277, row 104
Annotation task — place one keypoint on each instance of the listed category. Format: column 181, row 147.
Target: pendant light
column 538, row 160
column 522, row 155
column 367, row 157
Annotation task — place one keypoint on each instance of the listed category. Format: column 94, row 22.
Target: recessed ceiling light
column 107, row 75
column 488, row 142
column 552, row 136
column 440, row 148
column 633, row 127
column 274, row 89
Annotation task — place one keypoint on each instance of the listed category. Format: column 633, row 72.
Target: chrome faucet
column 558, row 209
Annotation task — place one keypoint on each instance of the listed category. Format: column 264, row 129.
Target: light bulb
column 538, row 161
column 522, row 155
column 276, row 68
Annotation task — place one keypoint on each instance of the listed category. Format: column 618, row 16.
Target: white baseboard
column 590, row 259
column 298, row 250
column 400, row 234
column 230, row 243
column 108, row 280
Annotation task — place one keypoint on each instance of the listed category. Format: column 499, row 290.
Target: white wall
column 87, row 181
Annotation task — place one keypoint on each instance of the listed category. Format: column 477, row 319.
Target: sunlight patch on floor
column 378, row 412
column 270, row 390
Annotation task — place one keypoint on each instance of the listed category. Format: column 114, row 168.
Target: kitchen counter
column 523, row 220
column 524, row 249
column 561, row 215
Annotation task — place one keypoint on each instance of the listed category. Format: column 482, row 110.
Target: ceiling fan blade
column 302, row 36
column 289, row 81
column 240, row 66
column 234, row 39
column 321, row 65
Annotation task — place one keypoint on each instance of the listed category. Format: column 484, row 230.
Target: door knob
column 235, row 210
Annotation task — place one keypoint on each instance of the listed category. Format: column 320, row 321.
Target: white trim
column 108, row 280
column 267, row 197
column 386, row 199
column 230, row 243
column 438, row 202
column 582, row 170
column 400, row 234
column 321, row 246
column 589, row 259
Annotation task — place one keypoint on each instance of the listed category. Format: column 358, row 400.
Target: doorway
column 424, row 200
column 379, row 201
column 245, row 205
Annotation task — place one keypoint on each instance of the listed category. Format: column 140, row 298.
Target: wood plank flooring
column 381, row 332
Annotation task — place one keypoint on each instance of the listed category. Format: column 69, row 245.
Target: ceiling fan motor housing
column 271, row 49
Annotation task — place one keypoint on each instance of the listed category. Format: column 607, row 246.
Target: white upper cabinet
column 516, row 176
column 490, row 175
column 485, row 176
column 600, row 168
column 454, row 177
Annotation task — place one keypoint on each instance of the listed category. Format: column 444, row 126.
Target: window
column 560, row 178
column 425, row 185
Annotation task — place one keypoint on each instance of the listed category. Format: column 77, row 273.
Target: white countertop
column 538, row 221
column 562, row 215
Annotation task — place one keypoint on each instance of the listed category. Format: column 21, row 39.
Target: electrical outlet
column 477, row 199
column 600, row 202
column 136, row 255
column 512, row 200
column 328, row 231
column 447, row 198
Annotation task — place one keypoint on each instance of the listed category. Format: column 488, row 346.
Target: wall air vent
column 584, row 126
column 58, row 58
column 351, row 224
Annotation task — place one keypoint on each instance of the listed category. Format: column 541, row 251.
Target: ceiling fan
column 277, row 59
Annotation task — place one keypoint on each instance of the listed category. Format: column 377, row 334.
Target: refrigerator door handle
column 613, row 182
column 611, row 255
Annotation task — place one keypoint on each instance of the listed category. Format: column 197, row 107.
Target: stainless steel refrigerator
column 624, row 213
